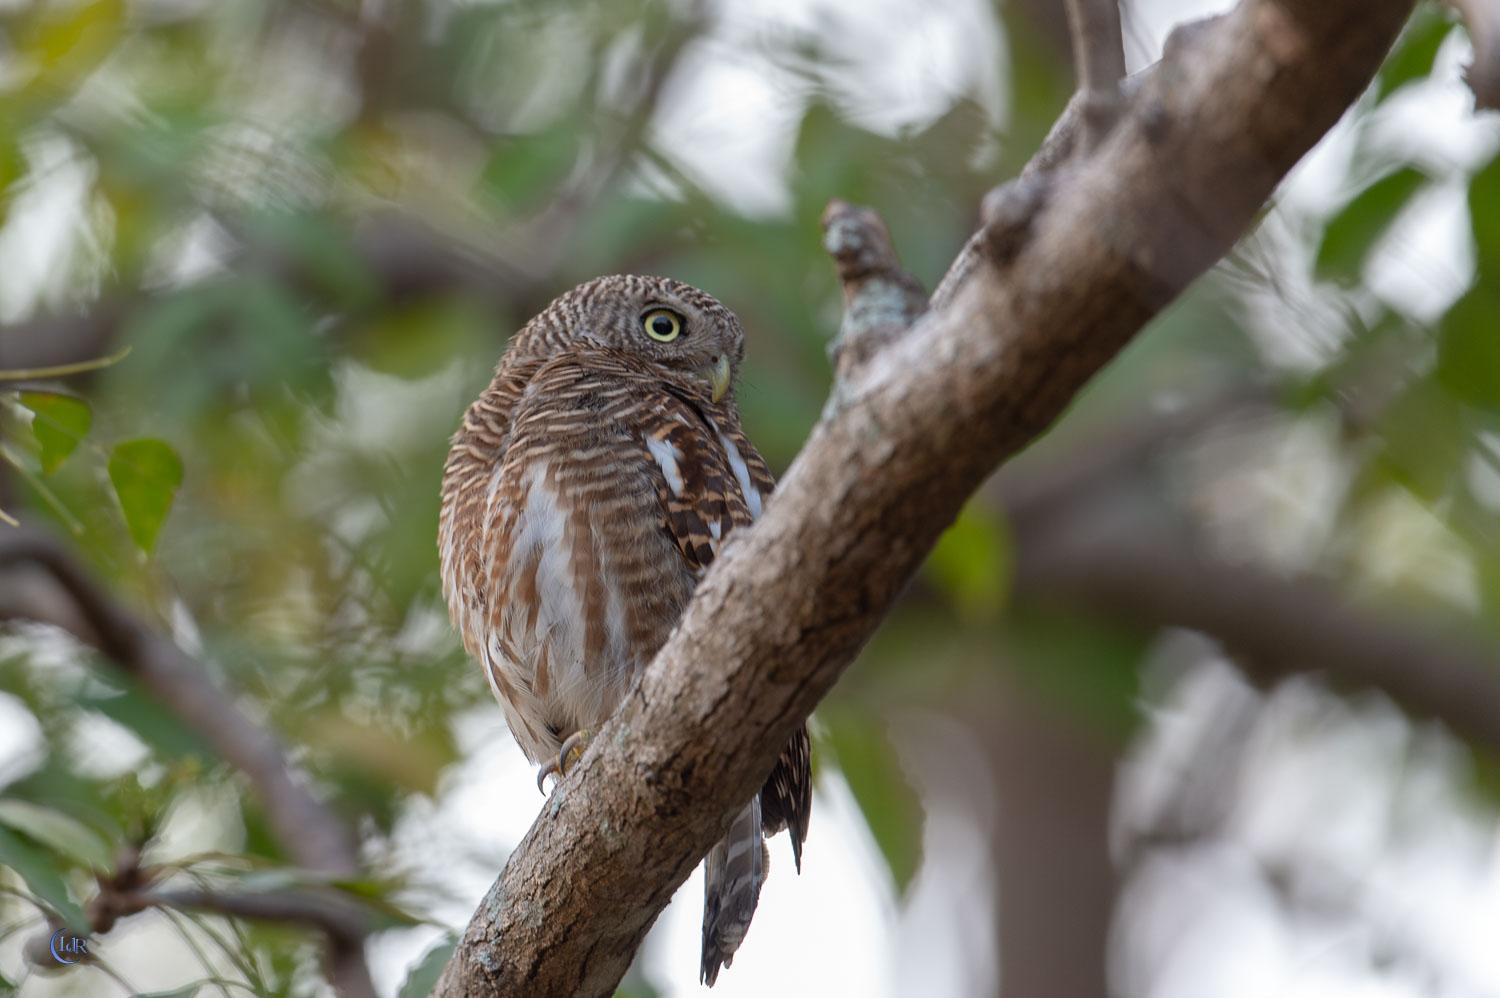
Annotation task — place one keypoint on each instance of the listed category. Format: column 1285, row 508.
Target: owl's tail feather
column 732, row 875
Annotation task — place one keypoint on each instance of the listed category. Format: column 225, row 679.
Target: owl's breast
column 572, row 542
column 584, row 591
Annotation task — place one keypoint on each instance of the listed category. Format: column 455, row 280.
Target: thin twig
column 49, row 497
column 1482, row 18
column 64, row 370
column 236, row 956
column 1099, row 62
column 340, row 917
column 881, row 300
column 176, row 921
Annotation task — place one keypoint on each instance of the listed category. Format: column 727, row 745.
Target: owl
column 587, row 491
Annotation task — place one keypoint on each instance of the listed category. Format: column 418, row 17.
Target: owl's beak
column 718, row 377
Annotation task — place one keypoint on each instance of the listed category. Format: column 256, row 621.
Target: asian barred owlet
column 587, row 491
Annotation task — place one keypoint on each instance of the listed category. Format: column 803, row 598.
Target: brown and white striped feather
column 584, row 497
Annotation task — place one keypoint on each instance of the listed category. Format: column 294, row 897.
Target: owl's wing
column 700, row 500
column 786, row 799
column 713, row 480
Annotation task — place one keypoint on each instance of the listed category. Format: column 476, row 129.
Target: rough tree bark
column 1070, row 266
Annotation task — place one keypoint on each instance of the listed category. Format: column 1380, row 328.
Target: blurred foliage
column 855, row 743
column 1352, row 233
column 259, row 472
column 42, row 877
column 425, row 973
column 59, row 423
column 972, row 563
column 146, row 475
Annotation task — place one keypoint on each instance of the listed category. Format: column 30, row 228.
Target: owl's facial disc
column 681, row 335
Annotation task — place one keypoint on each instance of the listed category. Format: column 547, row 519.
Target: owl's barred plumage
column 587, row 491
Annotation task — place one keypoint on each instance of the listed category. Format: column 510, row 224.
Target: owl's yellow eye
column 662, row 326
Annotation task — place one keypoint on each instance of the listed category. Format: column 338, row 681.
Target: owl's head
column 663, row 321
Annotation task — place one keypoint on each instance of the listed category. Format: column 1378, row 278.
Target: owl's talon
column 567, row 757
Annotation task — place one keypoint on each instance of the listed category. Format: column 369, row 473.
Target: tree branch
column 881, row 300
column 1070, row 545
column 1482, row 18
column 1274, row 627
column 312, row 834
column 339, row 918
column 1009, row 208
column 1099, row 63
column 789, row 603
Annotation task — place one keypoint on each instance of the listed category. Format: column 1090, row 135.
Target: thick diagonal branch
column 788, row 605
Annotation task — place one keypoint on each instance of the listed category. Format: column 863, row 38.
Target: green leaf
column 873, row 771
column 12, row 163
column 150, row 721
column 1484, row 216
column 1416, row 51
column 424, row 974
column 1086, row 665
column 635, row 985
column 245, row 341
column 525, row 169
column 972, row 563
column 272, row 881
column 36, row 868
column 1423, row 434
column 412, row 761
column 412, row 341
column 146, row 475
column 186, row 991
column 60, row 832
column 59, row 423
column 1469, row 349
column 389, row 915
column 66, row 43
column 366, row 888
column 1352, row 233
column 322, row 254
